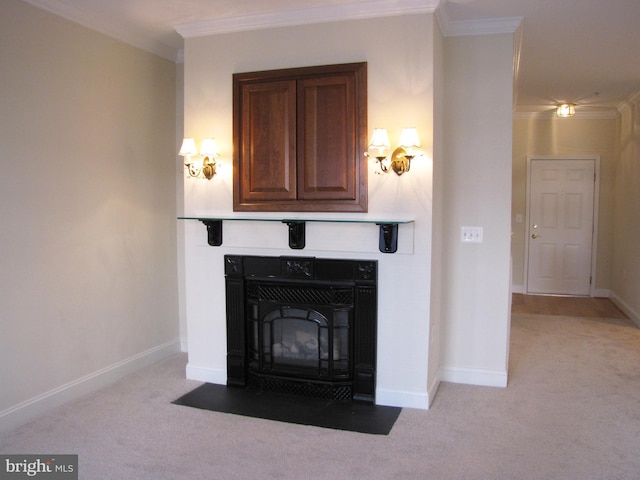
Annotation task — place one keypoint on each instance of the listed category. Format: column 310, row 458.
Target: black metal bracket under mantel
column 214, row 231
column 388, row 237
column 297, row 238
column 388, row 230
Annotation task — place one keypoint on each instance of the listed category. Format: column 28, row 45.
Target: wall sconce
column 401, row 157
column 209, row 150
column 566, row 110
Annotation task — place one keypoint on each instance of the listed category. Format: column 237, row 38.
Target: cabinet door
column 327, row 138
column 268, row 141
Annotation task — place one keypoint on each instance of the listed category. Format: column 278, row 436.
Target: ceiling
column 580, row 51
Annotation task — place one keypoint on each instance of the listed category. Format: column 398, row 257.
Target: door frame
column 596, row 204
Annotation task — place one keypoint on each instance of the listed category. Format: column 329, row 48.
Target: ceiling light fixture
column 566, row 110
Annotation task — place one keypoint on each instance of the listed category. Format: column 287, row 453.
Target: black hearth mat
column 340, row 415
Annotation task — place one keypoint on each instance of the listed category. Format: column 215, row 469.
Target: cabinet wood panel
column 327, row 136
column 269, row 141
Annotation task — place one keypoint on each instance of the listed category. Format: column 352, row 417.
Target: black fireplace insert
column 302, row 325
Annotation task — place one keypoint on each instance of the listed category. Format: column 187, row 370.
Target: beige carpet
column 571, row 411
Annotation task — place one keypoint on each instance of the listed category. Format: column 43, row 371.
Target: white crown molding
column 487, row 26
column 608, row 114
column 62, row 9
column 81, row 17
column 305, row 16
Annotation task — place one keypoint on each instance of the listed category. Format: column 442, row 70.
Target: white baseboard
column 474, row 376
column 596, row 292
column 206, row 374
column 401, row 398
column 23, row 412
column 622, row 305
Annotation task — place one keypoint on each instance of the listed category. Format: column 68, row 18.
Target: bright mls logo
column 51, row 467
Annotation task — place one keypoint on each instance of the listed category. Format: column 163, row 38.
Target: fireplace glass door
column 305, row 342
column 291, row 337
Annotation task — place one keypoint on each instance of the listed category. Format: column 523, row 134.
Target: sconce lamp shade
column 209, row 147
column 409, row 138
column 566, row 110
column 380, row 144
column 188, row 147
column 379, row 139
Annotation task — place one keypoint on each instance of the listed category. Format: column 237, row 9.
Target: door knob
column 534, row 235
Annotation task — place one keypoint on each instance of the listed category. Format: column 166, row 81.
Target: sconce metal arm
column 400, row 161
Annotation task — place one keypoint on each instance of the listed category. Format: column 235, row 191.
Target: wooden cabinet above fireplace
column 299, row 139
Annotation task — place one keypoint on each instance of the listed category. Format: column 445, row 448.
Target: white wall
column 399, row 52
column 438, row 217
column 625, row 271
column 476, row 280
column 182, row 295
column 88, row 287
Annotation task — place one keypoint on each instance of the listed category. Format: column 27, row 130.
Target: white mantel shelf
column 388, row 237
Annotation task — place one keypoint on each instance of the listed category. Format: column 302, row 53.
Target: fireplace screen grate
column 315, row 390
column 301, row 295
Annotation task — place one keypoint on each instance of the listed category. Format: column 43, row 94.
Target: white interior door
column 561, row 214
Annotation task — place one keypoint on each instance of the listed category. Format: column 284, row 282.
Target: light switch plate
column 472, row 234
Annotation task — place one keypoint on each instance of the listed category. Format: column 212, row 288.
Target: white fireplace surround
column 356, row 241
column 443, row 306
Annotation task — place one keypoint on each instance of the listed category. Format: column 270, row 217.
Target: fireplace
column 302, row 325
